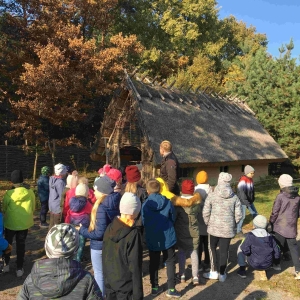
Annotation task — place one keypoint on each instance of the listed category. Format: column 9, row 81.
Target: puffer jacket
column 285, row 212
column 221, row 212
column 106, row 212
column 79, row 212
column 59, row 278
column 261, row 249
column 186, row 224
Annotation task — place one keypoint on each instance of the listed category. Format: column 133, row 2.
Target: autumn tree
column 76, row 61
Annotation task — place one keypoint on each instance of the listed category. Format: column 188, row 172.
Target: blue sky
column 278, row 19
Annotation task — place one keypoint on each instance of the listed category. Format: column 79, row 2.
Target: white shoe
column 222, row 278
column 6, row 269
column 211, row 275
column 20, row 273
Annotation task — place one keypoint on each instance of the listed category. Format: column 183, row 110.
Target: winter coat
column 3, row 242
column 79, row 212
column 261, row 249
column 158, row 215
column 245, row 190
column 59, row 278
column 203, row 189
column 186, row 224
column 106, row 212
column 221, row 212
column 122, row 260
column 285, row 212
column 18, row 208
column 43, row 188
column 71, row 193
column 56, row 187
column 169, row 172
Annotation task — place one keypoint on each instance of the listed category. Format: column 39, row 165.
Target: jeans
column 241, row 257
column 292, row 244
column 182, row 259
column 252, row 211
column 96, row 257
column 20, row 245
column 80, row 248
column 169, row 257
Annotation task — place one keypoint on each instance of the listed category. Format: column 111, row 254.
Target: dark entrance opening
column 130, row 156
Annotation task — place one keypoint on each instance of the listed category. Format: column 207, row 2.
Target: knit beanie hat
column 132, row 174
column 285, row 180
column 248, row 169
column 224, row 178
column 16, row 176
column 60, row 170
column 187, row 187
column 130, row 204
column 115, row 174
column 260, row 222
column 45, row 171
column 82, row 190
column 62, row 240
column 104, row 185
column 201, row 177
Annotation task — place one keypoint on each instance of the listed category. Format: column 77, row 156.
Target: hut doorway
column 130, row 156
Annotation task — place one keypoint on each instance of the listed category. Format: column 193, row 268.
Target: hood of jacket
column 164, row 189
column 56, row 277
column 53, row 180
column 290, row 191
column 156, row 202
column 224, row 191
column 77, row 203
column 119, row 230
column 112, row 201
column 186, row 201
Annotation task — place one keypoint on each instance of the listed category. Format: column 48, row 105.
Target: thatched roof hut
column 207, row 131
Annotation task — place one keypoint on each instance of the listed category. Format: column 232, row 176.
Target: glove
column 8, row 249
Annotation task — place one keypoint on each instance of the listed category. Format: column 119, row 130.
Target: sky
column 278, row 19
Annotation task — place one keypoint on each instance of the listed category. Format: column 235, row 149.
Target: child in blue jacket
column 259, row 247
column 158, row 215
column 43, row 192
column 5, row 247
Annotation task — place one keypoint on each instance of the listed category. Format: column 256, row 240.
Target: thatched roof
column 202, row 128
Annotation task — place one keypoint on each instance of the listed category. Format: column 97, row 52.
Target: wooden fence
column 14, row 157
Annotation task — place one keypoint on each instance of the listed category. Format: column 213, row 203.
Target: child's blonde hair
column 153, row 186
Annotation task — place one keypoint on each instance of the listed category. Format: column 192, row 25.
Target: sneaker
column 206, row 267
column 223, row 277
column 20, row 273
column 276, row 267
column 44, row 225
column 201, row 269
column 6, row 269
column 242, row 273
column 195, row 281
column 173, row 294
column 180, row 278
column 211, row 275
column 165, row 265
column 156, row 291
column 297, row 275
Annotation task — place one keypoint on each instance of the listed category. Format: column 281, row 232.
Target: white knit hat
column 260, row 222
column 82, row 190
column 60, row 170
column 130, row 204
column 285, row 180
column 248, row 169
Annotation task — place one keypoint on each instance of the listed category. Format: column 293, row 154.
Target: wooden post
column 6, row 160
column 117, row 149
column 106, row 150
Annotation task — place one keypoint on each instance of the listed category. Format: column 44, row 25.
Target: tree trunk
column 35, row 162
column 52, row 151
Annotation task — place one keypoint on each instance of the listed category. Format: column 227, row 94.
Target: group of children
column 119, row 214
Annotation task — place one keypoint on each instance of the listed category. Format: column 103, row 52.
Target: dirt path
column 233, row 288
